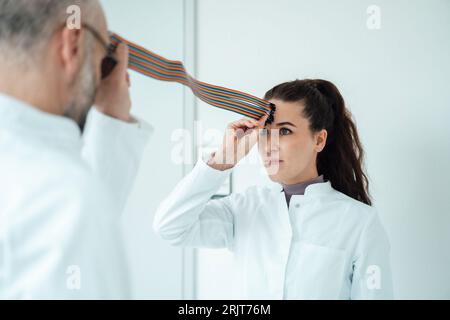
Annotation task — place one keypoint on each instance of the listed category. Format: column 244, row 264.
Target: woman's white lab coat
column 326, row 245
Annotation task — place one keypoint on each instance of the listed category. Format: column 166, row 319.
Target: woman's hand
column 239, row 139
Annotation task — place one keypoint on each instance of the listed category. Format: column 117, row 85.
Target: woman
column 315, row 235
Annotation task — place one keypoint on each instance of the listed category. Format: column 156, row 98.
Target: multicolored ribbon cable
column 150, row 64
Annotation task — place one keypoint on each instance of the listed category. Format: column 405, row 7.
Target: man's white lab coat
column 61, row 196
column 326, row 245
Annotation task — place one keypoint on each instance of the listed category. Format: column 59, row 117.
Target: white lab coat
column 61, row 196
column 326, row 245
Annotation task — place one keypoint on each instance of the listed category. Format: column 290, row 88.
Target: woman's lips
column 272, row 162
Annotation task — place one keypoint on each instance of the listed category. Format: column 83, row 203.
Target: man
column 65, row 172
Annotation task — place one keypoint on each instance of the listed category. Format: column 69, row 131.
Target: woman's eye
column 285, row 131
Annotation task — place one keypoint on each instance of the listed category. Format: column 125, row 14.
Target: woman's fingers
column 262, row 121
column 237, row 124
column 245, row 123
column 239, row 139
column 251, row 139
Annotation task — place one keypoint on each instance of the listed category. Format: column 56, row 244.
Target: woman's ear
column 321, row 140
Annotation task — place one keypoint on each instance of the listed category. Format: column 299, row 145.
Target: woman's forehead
column 288, row 112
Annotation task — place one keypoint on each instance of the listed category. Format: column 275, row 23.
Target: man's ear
column 321, row 140
column 70, row 52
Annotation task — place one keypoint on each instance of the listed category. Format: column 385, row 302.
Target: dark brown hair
column 341, row 161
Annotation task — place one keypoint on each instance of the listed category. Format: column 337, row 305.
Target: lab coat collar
column 311, row 191
column 23, row 118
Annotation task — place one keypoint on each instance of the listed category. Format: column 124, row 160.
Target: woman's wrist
column 218, row 164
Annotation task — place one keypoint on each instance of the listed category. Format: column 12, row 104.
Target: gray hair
column 27, row 25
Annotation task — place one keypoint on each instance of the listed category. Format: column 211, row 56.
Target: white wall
column 156, row 268
column 395, row 81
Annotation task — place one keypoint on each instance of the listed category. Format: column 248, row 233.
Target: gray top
column 299, row 188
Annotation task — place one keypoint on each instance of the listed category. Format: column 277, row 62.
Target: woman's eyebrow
column 279, row 124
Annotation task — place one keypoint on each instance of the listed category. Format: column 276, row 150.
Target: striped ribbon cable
column 155, row 66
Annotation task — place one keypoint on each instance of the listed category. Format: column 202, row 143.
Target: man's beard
column 85, row 93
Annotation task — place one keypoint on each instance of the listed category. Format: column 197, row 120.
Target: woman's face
column 289, row 148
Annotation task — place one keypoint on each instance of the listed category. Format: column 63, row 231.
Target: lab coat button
column 297, row 205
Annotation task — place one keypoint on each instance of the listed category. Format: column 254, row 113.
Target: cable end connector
column 271, row 117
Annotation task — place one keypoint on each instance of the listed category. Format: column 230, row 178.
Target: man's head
column 47, row 63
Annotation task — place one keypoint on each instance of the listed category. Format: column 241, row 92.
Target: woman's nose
column 274, row 141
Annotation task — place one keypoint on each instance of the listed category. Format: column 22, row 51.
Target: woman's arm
column 188, row 217
column 372, row 278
